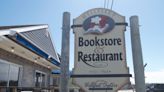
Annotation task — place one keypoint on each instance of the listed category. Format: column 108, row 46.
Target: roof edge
column 20, row 26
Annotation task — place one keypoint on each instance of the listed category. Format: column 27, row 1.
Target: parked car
column 155, row 88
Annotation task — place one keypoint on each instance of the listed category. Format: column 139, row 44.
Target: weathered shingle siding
column 41, row 38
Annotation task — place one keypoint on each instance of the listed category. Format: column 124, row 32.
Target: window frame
column 42, row 73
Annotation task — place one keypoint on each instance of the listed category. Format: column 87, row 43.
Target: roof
column 18, row 26
column 33, row 37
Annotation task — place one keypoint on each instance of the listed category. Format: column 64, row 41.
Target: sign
column 100, row 58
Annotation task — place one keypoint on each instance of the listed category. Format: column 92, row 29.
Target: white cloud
column 152, row 77
column 155, row 77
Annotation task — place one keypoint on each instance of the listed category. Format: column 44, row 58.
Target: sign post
column 137, row 55
column 100, row 57
column 64, row 64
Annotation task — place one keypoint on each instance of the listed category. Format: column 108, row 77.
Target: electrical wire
column 107, row 3
column 104, row 3
column 112, row 4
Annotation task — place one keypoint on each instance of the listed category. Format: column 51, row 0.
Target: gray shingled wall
column 28, row 68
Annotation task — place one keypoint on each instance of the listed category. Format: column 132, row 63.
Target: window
column 14, row 73
column 4, row 69
column 56, row 81
column 40, row 79
column 9, row 74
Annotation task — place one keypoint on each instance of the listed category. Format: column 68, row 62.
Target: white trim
column 22, row 29
column 40, row 72
column 7, row 32
column 29, row 28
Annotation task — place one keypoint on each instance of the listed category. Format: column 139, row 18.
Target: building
column 56, row 79
column 27, row 58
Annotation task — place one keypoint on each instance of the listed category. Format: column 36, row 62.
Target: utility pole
column 137, row 55
column 64, row 64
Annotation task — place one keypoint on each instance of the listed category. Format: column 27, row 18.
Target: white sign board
column 100, row 58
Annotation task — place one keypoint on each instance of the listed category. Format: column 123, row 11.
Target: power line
column 112, row 4
column 104, row 3
column 107, row 3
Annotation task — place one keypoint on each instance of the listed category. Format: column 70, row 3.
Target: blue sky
column 150, row 12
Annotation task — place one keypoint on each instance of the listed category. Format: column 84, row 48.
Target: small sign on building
column 100, row 57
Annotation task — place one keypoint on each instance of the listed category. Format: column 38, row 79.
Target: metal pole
column 64, row 76
column 137, row 55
